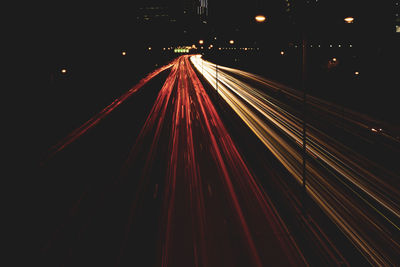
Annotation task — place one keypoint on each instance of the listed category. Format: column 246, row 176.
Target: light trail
column 356, row 193
column 209, row 191
column 70, row 138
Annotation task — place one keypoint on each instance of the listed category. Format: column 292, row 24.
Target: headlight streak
column 102, row 114
column 360, row 222
column 195, row 124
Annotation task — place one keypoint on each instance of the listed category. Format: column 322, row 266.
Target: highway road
column 211, row 175
column 184, row 195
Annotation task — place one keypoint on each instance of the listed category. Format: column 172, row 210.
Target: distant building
column 202, row 8
column 155, row 13
column 195, row 8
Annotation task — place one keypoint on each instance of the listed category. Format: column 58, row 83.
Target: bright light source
column 334, row 59
column 260, row 18
column 201, row 42
column 356, row 73
column 123, row 53
column 231, row 42
column 349, row 20
column 282, row 53
column 63, row 71
column 149, row 48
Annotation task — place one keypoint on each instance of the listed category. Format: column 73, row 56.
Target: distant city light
column 260, row 18
column 149, row 48
column 123, row 53
column 231, row 42
column 282, row 53
column 201, row 42
column 63, row 71
column 334, row 59
column 356, row 73
column 349, row 20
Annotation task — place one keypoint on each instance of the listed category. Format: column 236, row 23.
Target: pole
column 304, row 110
column 304, row 88
column 216, row 77
column 202, row 69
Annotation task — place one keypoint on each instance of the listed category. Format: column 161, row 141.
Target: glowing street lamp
column 231, row 42
column 349, row 19
column 201, row 42
column 260, row 18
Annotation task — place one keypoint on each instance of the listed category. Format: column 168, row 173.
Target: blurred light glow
column 260, row 18
column 63, row 71
column 349, row 20
column 201, row 42
column 231, row 42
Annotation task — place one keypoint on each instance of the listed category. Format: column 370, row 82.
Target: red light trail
column 102, row 114
column 212, row 209
column 204, row 170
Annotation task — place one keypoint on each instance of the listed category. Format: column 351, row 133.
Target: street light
column 201, row 42
column 260, row 18
column 231, row 42
column 349, row 19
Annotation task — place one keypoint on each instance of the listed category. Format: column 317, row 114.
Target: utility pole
column 304, row 87
column 303, row 29
column 202, row 69
column 216, row 76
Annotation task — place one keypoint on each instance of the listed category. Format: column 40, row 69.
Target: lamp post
column 304, row 88
column 216, row 77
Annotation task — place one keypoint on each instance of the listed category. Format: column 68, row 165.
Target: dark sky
column 60, row 25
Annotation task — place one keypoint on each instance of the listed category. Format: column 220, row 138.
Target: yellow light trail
column 348, row 187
